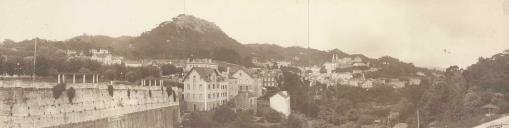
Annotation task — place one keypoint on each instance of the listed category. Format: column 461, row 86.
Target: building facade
column 204, row 89
column 281, row 103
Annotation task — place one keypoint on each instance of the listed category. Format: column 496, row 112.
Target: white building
column 396, row 83
column 281, row 103
column 502, row 122
column 204, row 63
column 104, row 56
column 204, row 89
column 131, row 63
column 247, row 83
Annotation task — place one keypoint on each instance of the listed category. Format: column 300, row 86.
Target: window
column 209, row 96
column 209, row 86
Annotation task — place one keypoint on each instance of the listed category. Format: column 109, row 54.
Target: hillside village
column 227, row 84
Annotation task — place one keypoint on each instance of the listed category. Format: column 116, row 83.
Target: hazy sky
column 415, row 31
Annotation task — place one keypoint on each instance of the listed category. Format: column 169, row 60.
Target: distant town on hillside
column 188, row 73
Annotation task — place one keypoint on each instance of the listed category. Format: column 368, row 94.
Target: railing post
column 58, row 80
column 73, row 78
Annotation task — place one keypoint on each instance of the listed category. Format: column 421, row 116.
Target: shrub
column 110, row 90
column 128, row 93
column 224, row 115
column 71, row 93
column 169, row 91
column 58, row 90
column 174, row 96
column 273, row 116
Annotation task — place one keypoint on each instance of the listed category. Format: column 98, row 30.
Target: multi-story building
column 205, row 63
column 346, row 62
column 104, row 56
column 269, row 77
column 246, row 101
column 244, row 80
column 204, row 89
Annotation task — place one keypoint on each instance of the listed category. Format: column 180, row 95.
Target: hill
column 184, row 36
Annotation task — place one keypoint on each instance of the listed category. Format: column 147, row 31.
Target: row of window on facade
column 200, row 96
column 211, row 106
column 200, row 87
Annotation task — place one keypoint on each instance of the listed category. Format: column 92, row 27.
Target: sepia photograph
column 254, row 63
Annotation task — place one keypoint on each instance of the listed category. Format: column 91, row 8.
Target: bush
column 128, row 93
column 273, row 116
column 110, row 90
column 174, row 96
column 224, row 115
column 169, row 91
column 71, row 93
column 199, row 120
column 58, row 90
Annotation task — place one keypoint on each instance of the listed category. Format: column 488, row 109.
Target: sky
column 416, row 31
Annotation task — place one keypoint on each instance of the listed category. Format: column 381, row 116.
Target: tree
column 52, row 72
column 169, row 69
column 243, row 120
column 273, row 116
column 323, row 70
column 132, row 76
column 247, row 61
column 199, row 120
column 110, row 74
column 224, row 115
column 150, row 71
column 84, row 70
column 296, row 121
column 42, row 65
column 228, row 55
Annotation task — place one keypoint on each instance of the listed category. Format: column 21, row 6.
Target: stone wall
column 157, row 118
column 29, row 105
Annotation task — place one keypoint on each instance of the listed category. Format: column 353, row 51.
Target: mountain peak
column 184, row 21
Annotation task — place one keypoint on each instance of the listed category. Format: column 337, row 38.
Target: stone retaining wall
column 23, row 106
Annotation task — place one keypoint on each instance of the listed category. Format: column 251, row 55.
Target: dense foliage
column 110, row 90
column 58, row 90
column 71, row 93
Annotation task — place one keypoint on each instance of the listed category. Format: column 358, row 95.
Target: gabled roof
column 283, row 94
column 232, row 72
column 203, row 72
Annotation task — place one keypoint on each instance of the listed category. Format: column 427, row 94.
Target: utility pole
column 185, row 6
column 418, row 121
column 35, row 58
column 308, row 21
